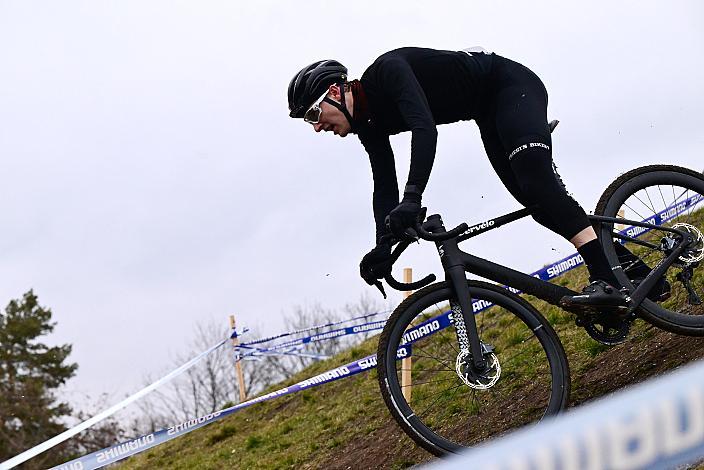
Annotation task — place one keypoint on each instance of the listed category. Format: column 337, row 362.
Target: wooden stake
column 238, row 362
column 621, row 213
column 407, row 363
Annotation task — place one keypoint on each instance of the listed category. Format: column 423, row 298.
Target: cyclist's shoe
column 660, row 292
column 597, row 296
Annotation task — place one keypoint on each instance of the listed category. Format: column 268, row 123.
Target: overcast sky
column 151, row 178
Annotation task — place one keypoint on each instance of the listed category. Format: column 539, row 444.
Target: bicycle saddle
column 553, row 124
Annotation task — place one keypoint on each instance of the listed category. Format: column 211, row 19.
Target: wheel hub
column 476, row 379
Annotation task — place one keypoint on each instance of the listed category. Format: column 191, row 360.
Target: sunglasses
column 312, row 115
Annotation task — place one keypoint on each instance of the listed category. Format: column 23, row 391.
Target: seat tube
column 466, row 326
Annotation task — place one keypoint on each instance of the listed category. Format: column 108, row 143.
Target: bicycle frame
column 456, row 262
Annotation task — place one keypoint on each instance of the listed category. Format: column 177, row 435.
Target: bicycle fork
column 465, row 324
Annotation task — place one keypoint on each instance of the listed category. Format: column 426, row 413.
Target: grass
column 345, row 424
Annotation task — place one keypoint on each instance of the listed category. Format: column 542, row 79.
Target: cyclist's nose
column 318, row 127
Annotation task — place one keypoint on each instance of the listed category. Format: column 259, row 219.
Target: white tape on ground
column 26, row 455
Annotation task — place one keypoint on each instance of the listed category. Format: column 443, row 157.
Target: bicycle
column 507, row 362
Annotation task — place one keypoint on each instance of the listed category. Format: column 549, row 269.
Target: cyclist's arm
column 381, row 157
column 400, row 84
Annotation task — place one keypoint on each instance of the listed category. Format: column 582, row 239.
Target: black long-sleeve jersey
column 416, row 89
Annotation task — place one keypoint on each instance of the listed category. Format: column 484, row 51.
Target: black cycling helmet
column 311, row 83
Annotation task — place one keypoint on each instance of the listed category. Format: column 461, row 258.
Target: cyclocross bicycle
column 470, row 365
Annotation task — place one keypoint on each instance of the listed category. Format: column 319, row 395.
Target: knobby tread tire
column 648, row 310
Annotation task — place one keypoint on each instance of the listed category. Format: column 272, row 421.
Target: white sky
column 151, row 179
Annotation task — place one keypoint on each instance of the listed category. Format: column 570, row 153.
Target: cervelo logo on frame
column 479, row 227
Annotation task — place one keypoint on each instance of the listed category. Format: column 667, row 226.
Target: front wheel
column 443, row 403
column 668, row 196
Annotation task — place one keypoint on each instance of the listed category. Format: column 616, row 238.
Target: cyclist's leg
column 522, row 190
column 518, row 118
column 521, row 125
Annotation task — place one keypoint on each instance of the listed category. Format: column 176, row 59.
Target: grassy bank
column 345, row 424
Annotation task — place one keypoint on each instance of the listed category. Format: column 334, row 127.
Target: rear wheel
column 669, row 196
column 451, row 405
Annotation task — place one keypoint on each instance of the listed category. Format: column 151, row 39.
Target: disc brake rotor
column 479, row 380
column 695, row 252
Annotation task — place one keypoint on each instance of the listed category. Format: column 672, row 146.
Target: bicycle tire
column 631, row 188
column 511, row 316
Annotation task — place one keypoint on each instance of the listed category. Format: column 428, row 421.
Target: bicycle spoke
column 430, row 357
column 688, row 218
column 521, row 353
column 442, row 394
column 450, row 342
column 441, row 418
column 634, row 211
column 644, row 204
column 430, row 382
column 441, row 400
column 651, row 201
column 664, row 204
column 427, row 355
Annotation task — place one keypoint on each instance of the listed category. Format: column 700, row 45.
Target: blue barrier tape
column 120, row 451
column 34, row 451
column 135, row 446
column 327, row 325
column 351, row 330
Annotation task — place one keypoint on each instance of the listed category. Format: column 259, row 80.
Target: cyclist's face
column 331, row 118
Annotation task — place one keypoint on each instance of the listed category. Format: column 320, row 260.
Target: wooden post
column 238, row 362
column 407, row 363
column 621, row 213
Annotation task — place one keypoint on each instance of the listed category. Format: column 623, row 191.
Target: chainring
column 607, row 328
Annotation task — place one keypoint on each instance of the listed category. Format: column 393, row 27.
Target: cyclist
column 417, row 89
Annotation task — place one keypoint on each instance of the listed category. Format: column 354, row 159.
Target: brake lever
column 411, row 235
column 380, row 286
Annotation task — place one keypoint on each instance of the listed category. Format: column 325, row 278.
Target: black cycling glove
column 377, row 263
column 405, row 215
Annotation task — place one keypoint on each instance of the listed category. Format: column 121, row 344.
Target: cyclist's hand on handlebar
column 404, row 216
column 377, row 263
